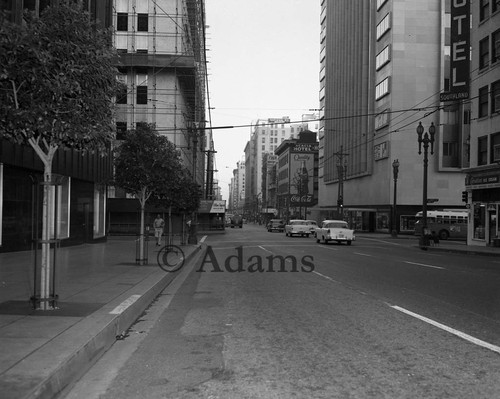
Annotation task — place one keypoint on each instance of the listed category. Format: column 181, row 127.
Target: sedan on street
column 335, row 230
column 297, row 227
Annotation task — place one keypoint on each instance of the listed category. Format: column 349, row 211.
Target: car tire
column 349, row 242
column 307, row 235
column 317, row 240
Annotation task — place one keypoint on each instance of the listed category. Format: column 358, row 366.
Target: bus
column 446, row 224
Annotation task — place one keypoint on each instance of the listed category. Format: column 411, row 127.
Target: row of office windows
column 384, row 56
column 122, row 22
column 487, row 8
column 141, row 95
column 489, row 49
column 489, row 99
column 494, row 149
column 272, row 139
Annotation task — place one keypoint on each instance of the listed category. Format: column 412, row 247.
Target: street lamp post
column 193, row 128
column 426, row 140
column 395, row 170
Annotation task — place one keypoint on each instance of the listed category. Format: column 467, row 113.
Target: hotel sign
column 460, row 51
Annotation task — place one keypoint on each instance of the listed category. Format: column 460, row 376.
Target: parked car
column 335, row 230
column 297, row 227
column 276, row 225
column 312, row 226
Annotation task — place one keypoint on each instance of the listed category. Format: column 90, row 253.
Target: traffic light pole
column 341, row 172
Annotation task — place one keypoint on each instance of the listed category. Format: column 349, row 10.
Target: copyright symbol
column 170, row 258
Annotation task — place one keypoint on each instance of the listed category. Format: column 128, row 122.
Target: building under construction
column 162, row 62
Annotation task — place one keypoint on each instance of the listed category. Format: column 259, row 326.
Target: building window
column 382, row 89
column 483, row 102
column 484, row 9
column 495, row 148
column 382, row 119
column 450, row 149
column 99, row 210
column 382, row 58
column 482, row 150
column 495, row 6
column 142, row 94
column 121, row 96
column 495, row 97
column 380, row 3
column 495, row 46
column 121, row 130
column 484, row 53
column 263, row 139
column 263, row 147
column 61, row 197
column 142, row 22
column 383, row 26
column 122, row 21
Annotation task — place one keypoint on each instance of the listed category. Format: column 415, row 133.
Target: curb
column 34, row 377
column 465, row 251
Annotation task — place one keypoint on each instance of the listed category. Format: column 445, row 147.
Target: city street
column 379, row 318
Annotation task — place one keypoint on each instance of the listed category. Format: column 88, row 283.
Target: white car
column 335, row 230
column 297, row 227
column 312, row 226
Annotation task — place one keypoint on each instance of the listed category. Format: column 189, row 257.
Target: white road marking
column 359, row 253
column 203, row 239
column 330, row 248
column 261, row 247
column 322, row 275
column 424, row 265
column 125, row 304
column 458, row 333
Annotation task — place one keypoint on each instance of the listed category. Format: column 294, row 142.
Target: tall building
column 162, row 61
column 237, row 189
column 266, row 136
column 483, row 177
column 296, row 170
column 384, row 65
column 81, row 194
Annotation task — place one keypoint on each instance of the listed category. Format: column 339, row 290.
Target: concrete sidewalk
column 101, row 291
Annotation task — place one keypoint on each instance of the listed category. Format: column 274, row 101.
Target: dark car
column 276, row 225
column 236, row 221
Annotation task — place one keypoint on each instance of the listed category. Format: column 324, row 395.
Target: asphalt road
column 378, row 319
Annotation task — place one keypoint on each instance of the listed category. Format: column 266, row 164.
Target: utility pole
column 341, row 168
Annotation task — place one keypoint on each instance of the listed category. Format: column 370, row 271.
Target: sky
column 263, row 62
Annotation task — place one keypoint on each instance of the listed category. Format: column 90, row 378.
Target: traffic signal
column 465, row 196
column 340, row 202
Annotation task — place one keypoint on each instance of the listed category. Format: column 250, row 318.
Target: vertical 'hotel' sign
column 460, row 51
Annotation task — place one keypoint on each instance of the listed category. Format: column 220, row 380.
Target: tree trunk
column 47, row 210
column 142, row 261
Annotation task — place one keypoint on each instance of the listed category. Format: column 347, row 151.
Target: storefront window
column 383, row 221
column 407, row 223
column 1, row 201
column 99, row 211
column 479, row 221
column 59, row 205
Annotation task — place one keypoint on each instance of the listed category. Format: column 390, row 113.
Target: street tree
column 147, row 165
column 57, row 83
column 182, row 194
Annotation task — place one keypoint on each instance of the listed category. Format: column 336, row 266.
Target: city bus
column 445, row 224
